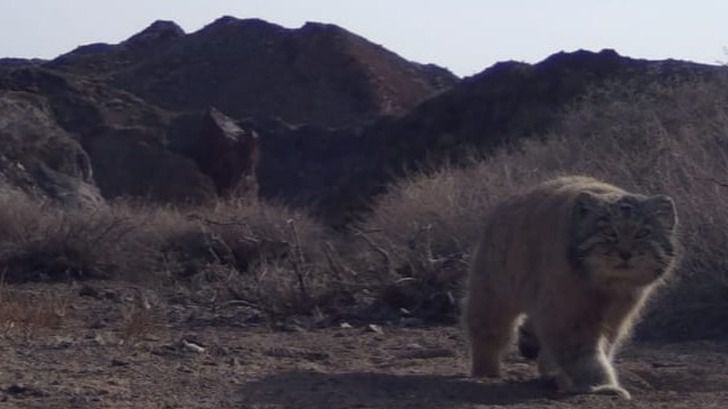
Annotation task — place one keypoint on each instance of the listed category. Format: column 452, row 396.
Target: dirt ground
column 103, row 352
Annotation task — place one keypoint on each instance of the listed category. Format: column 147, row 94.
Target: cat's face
column 627, row 240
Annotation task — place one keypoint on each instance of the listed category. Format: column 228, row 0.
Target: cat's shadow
column 309, row 390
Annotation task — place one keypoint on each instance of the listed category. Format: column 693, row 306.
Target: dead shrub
column 256, row 230
column 279, row 254
column 40, row 241
column 240, row 250
column 255, row 244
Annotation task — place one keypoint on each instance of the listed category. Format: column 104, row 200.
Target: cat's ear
column 587, row 204
column 663, row 208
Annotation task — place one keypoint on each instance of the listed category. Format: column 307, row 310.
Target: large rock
column 103, row 131
column 222, row 150
column 39, row 156
column 68, row 191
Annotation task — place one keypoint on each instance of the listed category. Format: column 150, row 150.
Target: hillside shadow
column 313, row 390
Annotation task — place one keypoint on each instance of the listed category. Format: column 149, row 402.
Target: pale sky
column 465, row 36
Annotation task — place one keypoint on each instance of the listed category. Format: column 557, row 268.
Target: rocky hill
column 151, row 117
column 319, row 73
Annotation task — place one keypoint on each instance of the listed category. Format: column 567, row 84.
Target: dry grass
column 236, row 249
column 26, row 313
column 139, row 319
column 39, row 241
column 266, row 255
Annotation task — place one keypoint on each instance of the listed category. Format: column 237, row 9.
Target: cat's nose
column 625, row 254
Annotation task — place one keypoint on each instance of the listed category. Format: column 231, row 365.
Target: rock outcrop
column 97, row 134
column 39, row 155
column 222, row 150
column 136, row 118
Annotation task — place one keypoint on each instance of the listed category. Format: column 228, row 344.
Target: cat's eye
column 642, row 233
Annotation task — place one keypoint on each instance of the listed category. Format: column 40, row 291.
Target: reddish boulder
column 222, row 150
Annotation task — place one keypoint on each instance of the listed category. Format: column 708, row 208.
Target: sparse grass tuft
column 139, row 319
column 25, row 313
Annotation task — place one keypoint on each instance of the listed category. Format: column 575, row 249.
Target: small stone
column 376, row 328
column 99, row 324
column 192, row 346
column 88, row 291
column 118, row 362
column 16, row 389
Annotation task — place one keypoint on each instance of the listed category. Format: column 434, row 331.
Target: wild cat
column 579, row 257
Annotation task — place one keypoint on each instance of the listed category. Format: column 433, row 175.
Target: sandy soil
column 183, row 355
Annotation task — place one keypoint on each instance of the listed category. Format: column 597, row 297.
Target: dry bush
column 650, row 138
column 256, row 230
column 234, row 248
column 40, row 241
column 237, row 249
column 169, row 244
column 264, row 255
column 279, row 255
